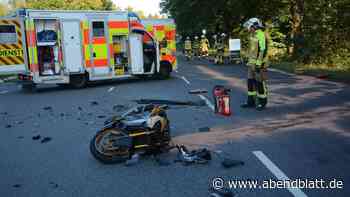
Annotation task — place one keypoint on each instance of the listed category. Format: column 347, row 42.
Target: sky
column 147, row 6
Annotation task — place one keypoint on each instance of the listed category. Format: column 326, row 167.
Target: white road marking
column 281, row 72
column 4, row 92
column 184, row 78
column 111, row 89
column 210, row 105
column 277, row 172
column 176, row 71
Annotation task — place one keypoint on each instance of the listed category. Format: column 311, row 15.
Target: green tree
column 3, row 9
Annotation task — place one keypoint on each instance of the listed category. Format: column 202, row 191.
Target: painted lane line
column 184, row 78
column 4, row 91
column 281, row 72
column 209, row 104
column 111, row 89
column 277, row 172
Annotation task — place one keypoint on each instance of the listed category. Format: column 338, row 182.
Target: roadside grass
column 332, row 73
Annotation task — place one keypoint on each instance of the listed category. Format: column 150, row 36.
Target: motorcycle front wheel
column 102, row 147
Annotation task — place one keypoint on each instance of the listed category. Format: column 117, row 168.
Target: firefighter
column 196, row 46
column 220, row 49
column 188, row 48
column 257, row 65
column 204, row 46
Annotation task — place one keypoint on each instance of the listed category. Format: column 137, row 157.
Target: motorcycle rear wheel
column 101, row 147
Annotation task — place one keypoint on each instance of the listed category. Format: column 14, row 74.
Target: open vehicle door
column 12, row 50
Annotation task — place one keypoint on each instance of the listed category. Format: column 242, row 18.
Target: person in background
column 188, row 48
column 196, row 46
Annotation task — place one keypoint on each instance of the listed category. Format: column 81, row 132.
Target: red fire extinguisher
column 222, row 100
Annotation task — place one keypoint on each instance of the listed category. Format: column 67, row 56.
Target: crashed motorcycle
column 142, row 130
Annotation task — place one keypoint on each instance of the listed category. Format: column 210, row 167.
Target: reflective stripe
column 99, row 40
column 169, row 58
column 265, row 91
column 136, row 24
column 32, row 50
column 118, row 25
column 252, row 93
column 86, row 42
column 97, row 63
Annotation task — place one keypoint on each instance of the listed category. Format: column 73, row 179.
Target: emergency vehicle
column 164, row 30
column 74, row 47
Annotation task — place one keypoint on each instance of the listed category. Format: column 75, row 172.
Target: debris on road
column 46, row 139
column 111, row 89
column 93, row 103
column 47, row 108
column 80, row 108
column 170, row 102
column 36, row 137
column 54, row 185
column 20, row 137
column 204, row 129
column 229, row 163
column 17, row 185
column 8, row 126
column 198, row 91
column 135, row 158
column 19, row 122
column 199, row 156
column 101, row 116
column 221, row 193
column 4, row 113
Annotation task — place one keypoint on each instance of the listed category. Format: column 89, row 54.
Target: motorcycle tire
column 107, row 156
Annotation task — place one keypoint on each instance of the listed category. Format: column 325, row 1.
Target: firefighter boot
column 251, row 94
column 262, row 96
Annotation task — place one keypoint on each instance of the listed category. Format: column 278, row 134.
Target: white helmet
column 253, row 22
column 187, row 38
column 203, row 36
column 214, row 36
column 196, row 37
column 223, row 35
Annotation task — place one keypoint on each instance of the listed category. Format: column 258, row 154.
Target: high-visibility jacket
column 196, row 44
column 258, row 47
column 188, row 45
column 205, row 44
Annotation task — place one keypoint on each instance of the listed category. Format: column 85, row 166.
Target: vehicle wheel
column 78, row 81
column 101, row 147
column 164, row 71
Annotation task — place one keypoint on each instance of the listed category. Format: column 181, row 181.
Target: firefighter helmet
column 187, row 38
column 196, row 37
column 253, row 23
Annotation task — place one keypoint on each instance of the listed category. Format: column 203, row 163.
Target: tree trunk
column 297, row 35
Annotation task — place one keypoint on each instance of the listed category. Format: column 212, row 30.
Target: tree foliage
column 310, row 29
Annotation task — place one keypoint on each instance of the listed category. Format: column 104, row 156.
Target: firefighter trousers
column 257, row 86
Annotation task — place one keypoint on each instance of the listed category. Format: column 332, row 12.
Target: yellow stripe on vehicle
column 137, row 134
column 142, row 146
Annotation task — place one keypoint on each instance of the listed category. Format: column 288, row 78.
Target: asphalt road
column 303, row 134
